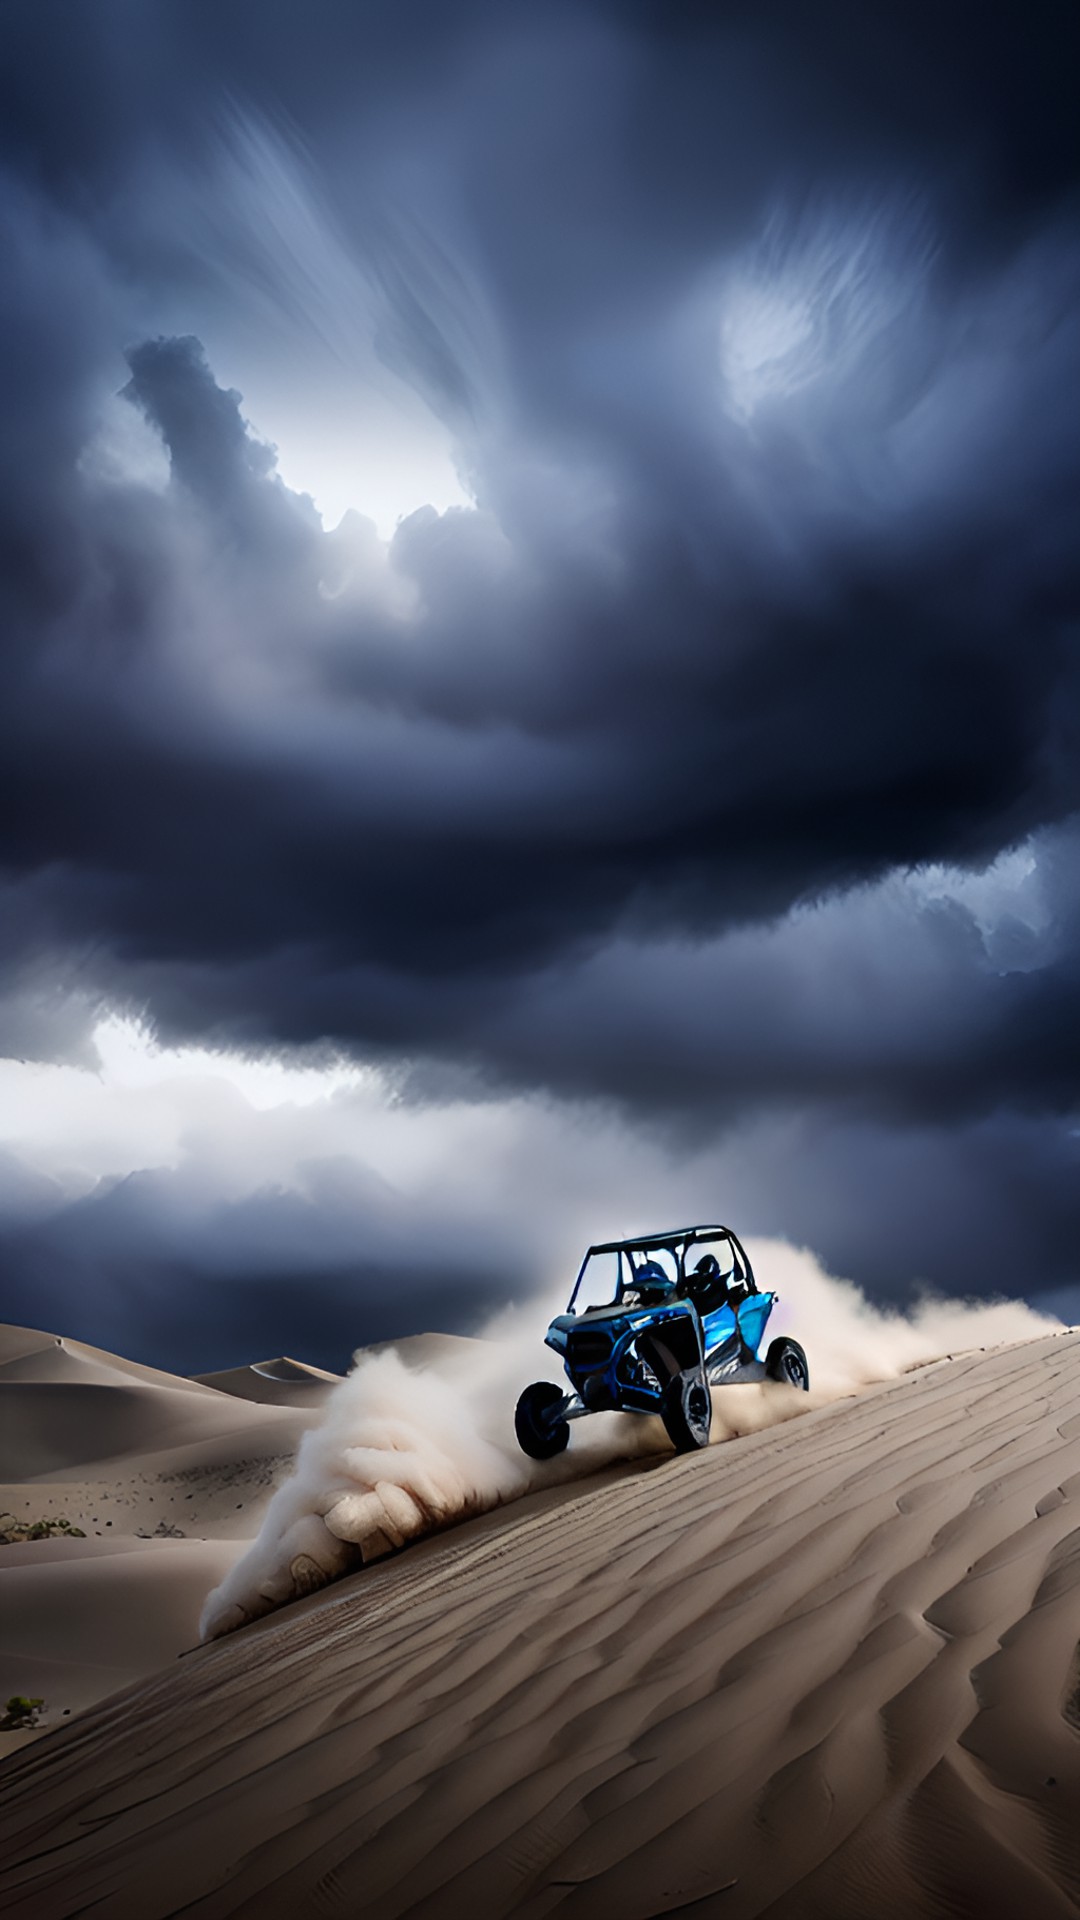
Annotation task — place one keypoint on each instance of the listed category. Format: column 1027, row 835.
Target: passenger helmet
column 652, row 1282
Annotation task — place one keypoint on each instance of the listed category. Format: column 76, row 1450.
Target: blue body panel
column 753, row 1318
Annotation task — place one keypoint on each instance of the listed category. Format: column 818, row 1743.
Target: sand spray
column 405, row 1451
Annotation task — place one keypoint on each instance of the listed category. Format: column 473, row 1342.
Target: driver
column 709, row 1288
column 705, row 1286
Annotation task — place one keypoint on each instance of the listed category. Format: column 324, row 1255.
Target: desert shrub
column 13, row 1531
column 21, row 1712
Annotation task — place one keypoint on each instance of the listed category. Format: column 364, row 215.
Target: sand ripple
column 827, row 1670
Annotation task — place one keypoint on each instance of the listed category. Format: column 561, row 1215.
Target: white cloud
column 803, row 306
column 131, row 1058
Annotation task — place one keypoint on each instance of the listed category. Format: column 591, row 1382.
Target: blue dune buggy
column 652, row 1326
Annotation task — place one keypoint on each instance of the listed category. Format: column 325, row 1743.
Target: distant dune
column 826, row 1670
column 276, row 1383
column 292, row 1383
column 166, row 1480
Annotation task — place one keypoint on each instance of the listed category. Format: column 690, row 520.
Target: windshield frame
column 677, row 1245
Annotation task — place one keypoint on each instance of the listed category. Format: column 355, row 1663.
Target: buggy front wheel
column 786, row 1361
column 540, row 1433
column 686, row 1411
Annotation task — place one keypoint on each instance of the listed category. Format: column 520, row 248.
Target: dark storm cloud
column 984, row 1211
column 165, row 1266
column 363, row 825
column 884, row 1002
column 159, row 1263
column 758, row 341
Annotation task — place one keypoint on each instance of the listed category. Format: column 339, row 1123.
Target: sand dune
column 276, row 1383
column 27, row 1354
column 166, row 1479
column 54, row 1429
column 65, row 1406
column 825, row 1670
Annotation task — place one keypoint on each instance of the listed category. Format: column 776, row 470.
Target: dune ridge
column 825, row 1670
column 280, row 1382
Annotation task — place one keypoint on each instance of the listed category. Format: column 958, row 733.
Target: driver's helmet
column 651, row 1282
column 708, row 1266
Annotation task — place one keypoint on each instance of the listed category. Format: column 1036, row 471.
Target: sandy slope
column 28, row 1354
column 826, row 1670
column 84, row 1618
column 168, row 1481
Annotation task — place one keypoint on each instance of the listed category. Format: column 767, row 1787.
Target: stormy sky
column 540, row 651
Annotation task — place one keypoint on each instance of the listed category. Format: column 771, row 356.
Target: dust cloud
column 404, row 1451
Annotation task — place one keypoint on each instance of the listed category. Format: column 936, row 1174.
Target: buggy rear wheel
column 686, row 1411
column 539, row 1434
column 786, row 1361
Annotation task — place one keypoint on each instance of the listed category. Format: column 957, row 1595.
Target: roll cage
column 678, row 1245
